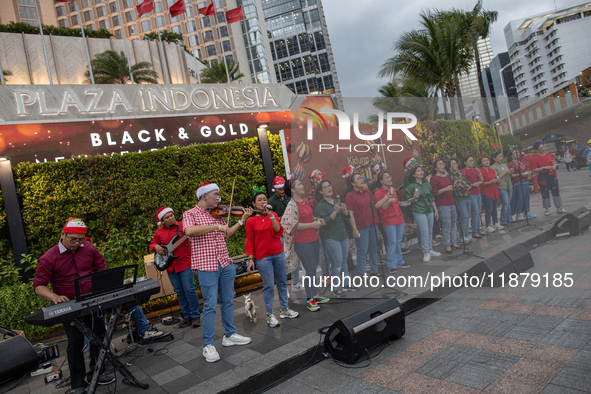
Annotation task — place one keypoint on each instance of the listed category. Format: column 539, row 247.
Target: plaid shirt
column 206, row 249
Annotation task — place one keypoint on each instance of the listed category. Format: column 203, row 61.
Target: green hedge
column 16, row 302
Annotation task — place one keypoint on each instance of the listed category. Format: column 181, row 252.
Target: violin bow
column 231, row 199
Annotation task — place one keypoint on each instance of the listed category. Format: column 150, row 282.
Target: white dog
column 250, row 308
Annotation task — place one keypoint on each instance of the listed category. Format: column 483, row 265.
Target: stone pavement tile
column 244, row 356
column 498, row 326
column 357, row 386
column 292, row 386
column 444, row 363
column 482, row 370
column 510, row 384
column 524, row 309
column 429, row 319
column 478, row 341
column 170, row 374
column 516, row 347
column 586, row 304
column 551, row 353
column 535, row 371
column 582, row 284
column 444, row 387
column 323, row 379
column 187, row 356
column 553, row 389
column 127, row 389
column 158, row 364
column 182, row 383
column 556, row 311
column 574, row 379
column 570, row 333
column 384, row 374
column 534, row 328
column 581, row 362
column 414, row 383
column 494, row 304
column 205, row 369
column 408, row 359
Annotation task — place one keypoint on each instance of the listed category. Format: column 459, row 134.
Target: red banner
column 177, row 8
column 146, row 7
column 234, row 15
column 208, row 10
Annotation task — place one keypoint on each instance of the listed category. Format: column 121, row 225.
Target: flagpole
column 85, row 43
column 164, row 61
column 43, row 42
column 124, row 41
column 215, row 16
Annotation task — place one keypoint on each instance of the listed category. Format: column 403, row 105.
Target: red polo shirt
column 261, row 240
column 445, row 199
column 515, row 167
column 543, row 161
column 60, row 269
column 359, row 202
column 392, row 215
column 492, row 191
column 162, row 236
column 471, row 175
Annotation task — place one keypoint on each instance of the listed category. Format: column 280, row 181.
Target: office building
column 469, row 82
column 503, row 90
column 25, row 11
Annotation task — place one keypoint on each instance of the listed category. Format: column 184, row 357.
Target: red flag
column 208, row 10
column 177, row 8
column 234, row 15
column 145, row 8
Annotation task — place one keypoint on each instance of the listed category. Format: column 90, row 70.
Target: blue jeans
column 323, row 261
column 138, row 317
column 449, row 217
column 518, row 196
column 394, row 234
column 273, row 267
column 213, row 283
column 308, row 254
column 338, row 252
column 476, row 206
column 505, row 197
column 549, row 184
column 464, row 217
column 490, row 207
column 185, row 292
column 367, row 242
column 425, row 227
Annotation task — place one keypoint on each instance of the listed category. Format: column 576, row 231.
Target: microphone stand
column 524, row 207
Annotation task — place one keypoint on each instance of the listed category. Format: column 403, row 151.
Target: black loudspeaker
column 514, row 260
column 18, row 356
column 349, row 338
column 573, row 223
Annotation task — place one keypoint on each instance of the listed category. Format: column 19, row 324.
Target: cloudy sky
column 362, row 32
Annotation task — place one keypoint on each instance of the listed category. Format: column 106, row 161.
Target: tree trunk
column 481, row 86
column 443, row 98
column 453, row 108
column 460, row 101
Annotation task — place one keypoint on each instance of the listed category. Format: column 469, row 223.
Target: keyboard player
column 72, row 257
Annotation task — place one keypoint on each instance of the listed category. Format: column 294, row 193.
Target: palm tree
column 168, row 36
column 6, row 73
column 216, row 73
column 151, row 36
column 435, row 55
column 403, row 95
column 110, row 67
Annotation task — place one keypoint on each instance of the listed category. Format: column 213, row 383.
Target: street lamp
column 476, row 132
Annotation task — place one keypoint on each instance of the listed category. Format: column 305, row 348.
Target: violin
column 222, row 211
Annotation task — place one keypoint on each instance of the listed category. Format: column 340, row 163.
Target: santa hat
column 278, row 183
column 316, row 174
column 74, row 226
column 206, row 188
column 347, row 171
column 406, row 163
column 161, row 213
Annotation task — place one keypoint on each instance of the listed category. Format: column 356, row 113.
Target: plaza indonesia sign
column 51, row 123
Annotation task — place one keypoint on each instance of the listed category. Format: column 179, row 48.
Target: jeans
column 308, row 254
column 549, row 184
column 367, row 242
column 490, row 207
column 184, row 285
column 520, row 192
column 338, row 252
column 449, row 217
column 436, row 228
column 570, row 165
column 394, row 233
column 323, row 261
column 213, row 283
column 505, row 197
column 273, row 267
column 464, row 217
column 475, row 206
column 425, row 227
column 138, row 317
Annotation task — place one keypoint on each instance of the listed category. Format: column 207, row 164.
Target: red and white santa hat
column 278, row 183
column 406, row 163
column 161, row 213
column 316, row 175
column 74, row 226
column 206, row 188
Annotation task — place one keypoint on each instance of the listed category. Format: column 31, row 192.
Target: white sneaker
column 297, row 287
column 211, row 355
column 272, row 320
column 490, row 229
column 152, row 334
column 288, row 314
column 498, row 226
column 467, row 240
column 426, row 257
column 235, row 339
column 438, row 236
column 434, row 253
column 435, row 243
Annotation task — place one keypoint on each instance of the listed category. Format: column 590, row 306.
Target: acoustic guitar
column 163, row 262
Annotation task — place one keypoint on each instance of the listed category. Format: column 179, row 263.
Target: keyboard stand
column 105, row 353
column 134, row 345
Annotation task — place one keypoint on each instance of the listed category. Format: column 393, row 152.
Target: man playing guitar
column 179, row 272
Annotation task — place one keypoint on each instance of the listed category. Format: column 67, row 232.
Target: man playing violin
column 179, row 272
column 212, row 263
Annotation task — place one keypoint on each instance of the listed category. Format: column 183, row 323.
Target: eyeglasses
column 327, row 186
column 76, row 240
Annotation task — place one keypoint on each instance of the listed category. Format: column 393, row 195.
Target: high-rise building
column 209, row 38
column 549, row 49
column 469, row 82
column 300, row 46
column 503, row 90
column 25, row 11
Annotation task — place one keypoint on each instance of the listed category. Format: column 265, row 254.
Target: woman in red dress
column 490, row 195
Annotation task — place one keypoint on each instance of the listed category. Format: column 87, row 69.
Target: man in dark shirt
column 279, row 200
column 71, row 258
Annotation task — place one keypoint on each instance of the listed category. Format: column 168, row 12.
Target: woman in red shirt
column 444, row 199
column 475, row 178
column 263, row 245
column 544, row 164
column 392, row 220
column 490, row 195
